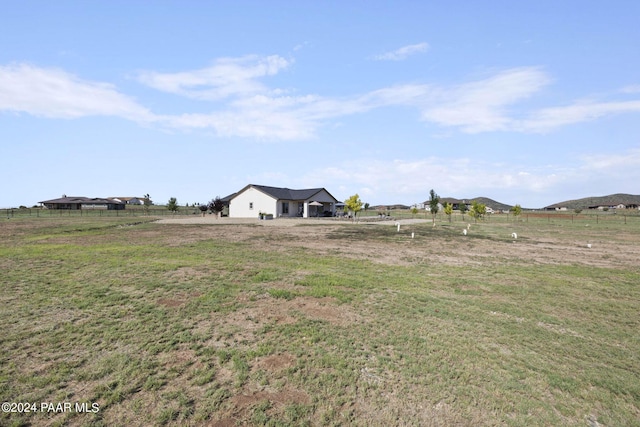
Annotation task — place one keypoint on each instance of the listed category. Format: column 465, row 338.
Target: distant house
column 77, row 203
column 253, row 200
column 428, row 207
column 455, row 203
column 556, row 207
column 609, row 206
column 129, row 200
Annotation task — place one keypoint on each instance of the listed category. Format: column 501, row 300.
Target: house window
column 250, row 205
column 285, row 208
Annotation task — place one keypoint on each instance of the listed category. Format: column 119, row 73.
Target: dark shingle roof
column 287, row 193
column 281, row 193
column 81, row 200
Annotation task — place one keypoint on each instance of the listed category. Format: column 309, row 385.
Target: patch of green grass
column 282, row 293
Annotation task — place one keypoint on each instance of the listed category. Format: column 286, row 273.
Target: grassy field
column 320, row 324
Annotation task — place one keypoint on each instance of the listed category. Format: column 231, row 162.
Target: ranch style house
column 77, row 203
column 254, row 200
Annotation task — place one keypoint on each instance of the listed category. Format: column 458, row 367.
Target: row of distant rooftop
column 78, row 202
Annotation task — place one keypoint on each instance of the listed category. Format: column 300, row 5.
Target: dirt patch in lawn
column 242, row 325
column 379, row 242
column 275, row 362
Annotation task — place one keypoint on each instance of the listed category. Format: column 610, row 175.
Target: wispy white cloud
column 248, row 123
column 403, row 52
column 227, row 77
column 54, row 93
column 631, row 89
column 483, row 106
column 271, row 114
column 495, row 104
column 611, row 163
column 548, row 119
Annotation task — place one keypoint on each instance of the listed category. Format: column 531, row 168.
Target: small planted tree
column 146, row 203
column 478, row 210
column 172, row 205
column 216, row 206
column 414, row 211
column 462, row 207
column 516, row 210
column 448, row 210
column 434, row 202
column 354, row 204
column 203, row 209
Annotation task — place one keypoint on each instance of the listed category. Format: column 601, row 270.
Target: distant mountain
column 610, row 200
column 496, row 206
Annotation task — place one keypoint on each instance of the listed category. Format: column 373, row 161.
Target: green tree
column 478, row 210
column 414, row 211
column 216, row 206
column 203, row 209
column 462, row 207
column 146, row 203
column 516, row 210
column 448, row 210
column 434, row 202
column 354, row 204
column 172, row 205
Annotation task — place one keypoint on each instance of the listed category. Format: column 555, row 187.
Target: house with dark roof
column 77, row 203
column 129, row 200
column 455, row 203
column 254, row 200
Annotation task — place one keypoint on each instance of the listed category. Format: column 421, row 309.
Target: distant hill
column 496, row 206
column 610, row 200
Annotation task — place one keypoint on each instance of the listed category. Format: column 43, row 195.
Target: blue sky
column 527, row 102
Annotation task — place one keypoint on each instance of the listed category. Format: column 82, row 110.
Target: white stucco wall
column 293, row 208
column 239, row 207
